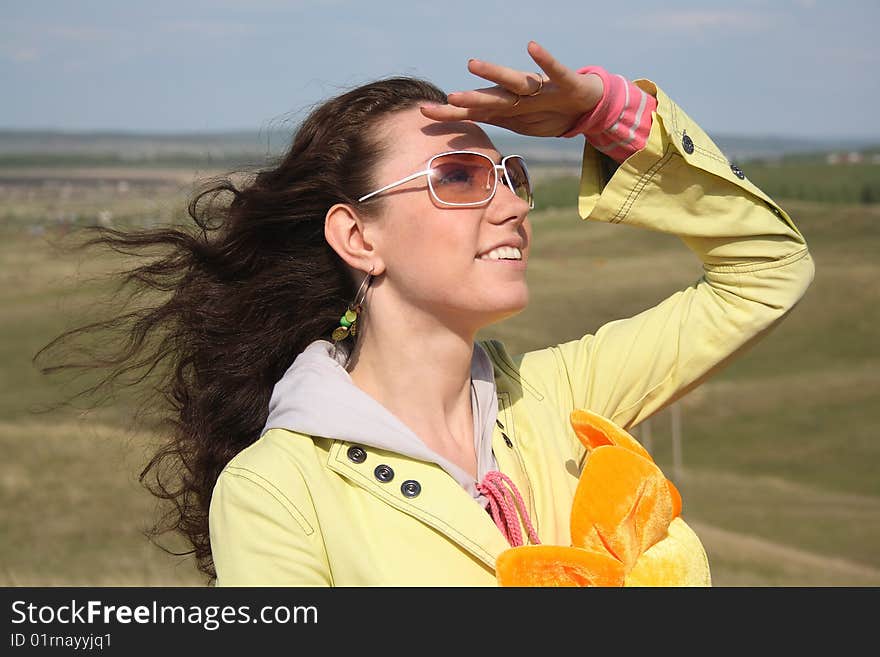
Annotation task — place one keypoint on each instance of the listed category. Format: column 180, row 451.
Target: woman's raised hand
column 534, row 104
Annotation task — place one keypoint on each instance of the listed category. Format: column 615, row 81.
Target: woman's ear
column 345, row 231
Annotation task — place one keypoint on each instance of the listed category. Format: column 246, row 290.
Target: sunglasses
column 467, row 178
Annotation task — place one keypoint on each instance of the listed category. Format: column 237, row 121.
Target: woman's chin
column 513, row 305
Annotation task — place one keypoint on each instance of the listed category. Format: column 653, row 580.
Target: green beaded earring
column 348, row 323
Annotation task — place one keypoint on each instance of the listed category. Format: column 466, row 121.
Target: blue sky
column 752, row 67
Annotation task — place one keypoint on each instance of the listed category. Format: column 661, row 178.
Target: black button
column 688, row 144
column 384, row 473
column 357, row 454
column 737, row 171
column 410, row 488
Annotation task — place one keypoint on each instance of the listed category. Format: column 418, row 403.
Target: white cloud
column 23, row 55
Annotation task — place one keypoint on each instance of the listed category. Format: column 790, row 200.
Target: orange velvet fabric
column 622, row 531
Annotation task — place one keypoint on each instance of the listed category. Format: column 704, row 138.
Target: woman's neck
column 425, row 382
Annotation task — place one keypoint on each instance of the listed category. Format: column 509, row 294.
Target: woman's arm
column 756, row 267
column 259, row 537
column 755, row 261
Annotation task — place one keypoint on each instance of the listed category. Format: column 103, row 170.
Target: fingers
column 452, row 113
column 563, row 76
column 537, row 124
column 517, row 82
column 522, row 101
column 511, row 83
column 490, row 98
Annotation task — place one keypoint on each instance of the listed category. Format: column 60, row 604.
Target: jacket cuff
column 674, row 137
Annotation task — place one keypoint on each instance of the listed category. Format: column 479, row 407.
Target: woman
column 336, row 421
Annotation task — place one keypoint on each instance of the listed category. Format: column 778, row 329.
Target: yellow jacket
column 295, row 509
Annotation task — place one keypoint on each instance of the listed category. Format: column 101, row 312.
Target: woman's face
column 436, row 257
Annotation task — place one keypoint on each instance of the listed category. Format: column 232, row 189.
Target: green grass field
column 780, row 452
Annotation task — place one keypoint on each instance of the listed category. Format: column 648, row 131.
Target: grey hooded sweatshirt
column 316, row 396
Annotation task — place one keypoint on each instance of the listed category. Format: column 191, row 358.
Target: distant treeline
column 818, row 181
column 795, row 180
column 72, row 160
column 806, row 178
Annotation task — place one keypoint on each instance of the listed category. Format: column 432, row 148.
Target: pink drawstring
column 502, row 506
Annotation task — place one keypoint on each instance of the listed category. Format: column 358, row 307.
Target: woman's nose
column 509, row 202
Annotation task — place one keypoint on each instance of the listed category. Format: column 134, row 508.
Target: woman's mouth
column 503, row 253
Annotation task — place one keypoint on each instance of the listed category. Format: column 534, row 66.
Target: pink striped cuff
column 621, row 121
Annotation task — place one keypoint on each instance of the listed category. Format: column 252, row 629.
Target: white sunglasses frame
column 496, row 167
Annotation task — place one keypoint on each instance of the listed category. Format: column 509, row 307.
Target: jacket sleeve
column 259, row 537
column 756, row 267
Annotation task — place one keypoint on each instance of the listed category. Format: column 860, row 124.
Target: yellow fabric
column 677, row 560
column 294, row 510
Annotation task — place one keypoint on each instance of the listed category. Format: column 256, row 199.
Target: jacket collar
column 440, row 502
column 317, row 397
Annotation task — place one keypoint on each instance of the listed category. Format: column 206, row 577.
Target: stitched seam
column 511, row 371
column 508, row 417
column 641, row 400
column 680, row 134
column 561, row 365
column 712, row 154
column 381, row 494
column 259, row 481
column 640, row 185
column 749, row 267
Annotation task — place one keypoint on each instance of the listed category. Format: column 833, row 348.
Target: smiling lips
column 502, row 253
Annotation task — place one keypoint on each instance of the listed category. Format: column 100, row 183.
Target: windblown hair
column 242, row 291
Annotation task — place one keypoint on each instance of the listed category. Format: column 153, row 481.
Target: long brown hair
column 243, row 290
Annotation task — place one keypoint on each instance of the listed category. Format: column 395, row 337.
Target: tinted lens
column 518, row 177
column 462, row 178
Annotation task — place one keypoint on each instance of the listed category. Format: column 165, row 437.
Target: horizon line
column 192, row 132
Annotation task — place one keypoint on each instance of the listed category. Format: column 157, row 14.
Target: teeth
column 503, row 253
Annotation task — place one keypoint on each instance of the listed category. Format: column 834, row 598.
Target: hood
column 316, row 396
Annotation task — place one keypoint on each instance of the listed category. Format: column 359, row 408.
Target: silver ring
column 540, row 86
